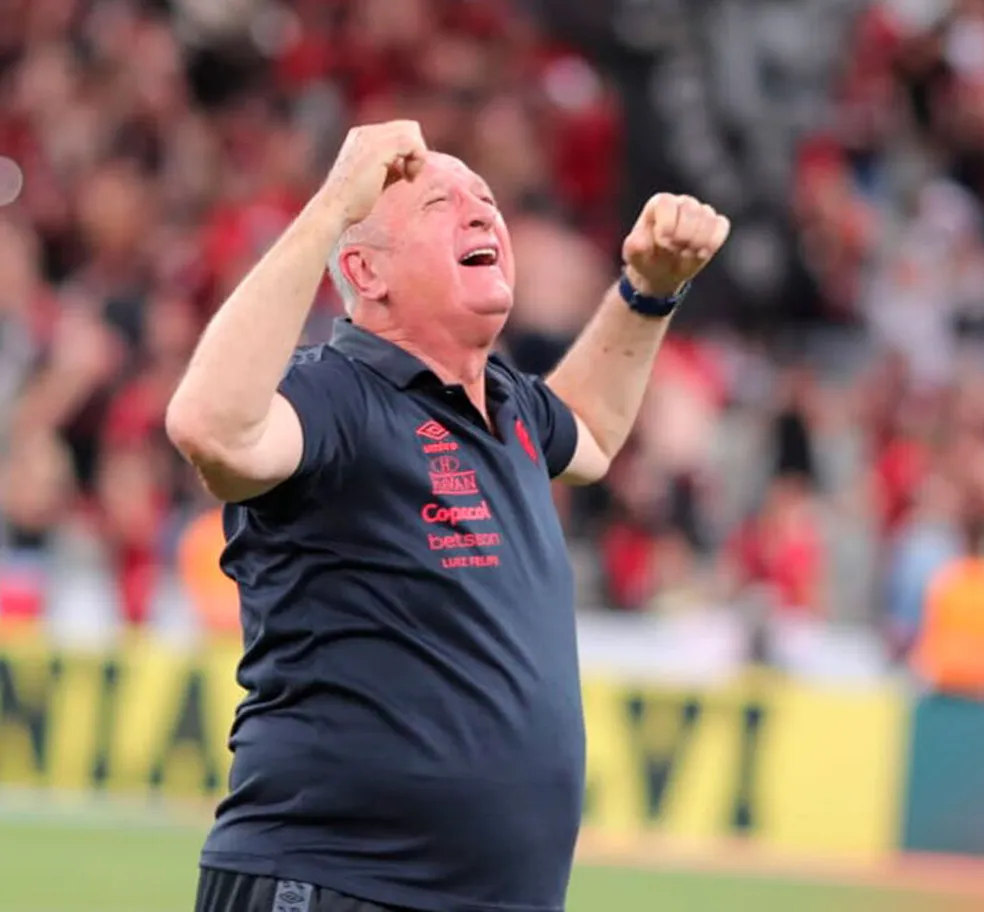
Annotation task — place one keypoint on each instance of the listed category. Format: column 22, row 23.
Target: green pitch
column 58, row 862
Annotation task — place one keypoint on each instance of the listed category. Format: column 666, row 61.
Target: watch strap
column 648, row 305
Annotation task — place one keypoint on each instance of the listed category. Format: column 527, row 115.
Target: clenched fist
column 371, row 158
column 674, row 238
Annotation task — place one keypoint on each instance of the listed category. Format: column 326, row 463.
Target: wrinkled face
column 447, row 255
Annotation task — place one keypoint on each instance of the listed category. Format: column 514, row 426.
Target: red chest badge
column 523, row 436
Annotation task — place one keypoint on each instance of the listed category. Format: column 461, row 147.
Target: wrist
column 646, row 303
column 322, row 222
column 658, row 290
column 329, row 211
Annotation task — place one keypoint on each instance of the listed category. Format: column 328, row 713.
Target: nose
column 479, row 214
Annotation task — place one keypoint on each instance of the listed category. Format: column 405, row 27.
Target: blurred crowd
column 150, row 154
column 824, row 466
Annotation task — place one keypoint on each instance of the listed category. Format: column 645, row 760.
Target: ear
column 357, row 267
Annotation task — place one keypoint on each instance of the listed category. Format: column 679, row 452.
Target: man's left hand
column 674, row 238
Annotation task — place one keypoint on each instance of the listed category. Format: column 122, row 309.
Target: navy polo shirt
column 412, row 732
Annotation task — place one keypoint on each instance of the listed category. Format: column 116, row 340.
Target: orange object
column 949, row 650
column 214, row 595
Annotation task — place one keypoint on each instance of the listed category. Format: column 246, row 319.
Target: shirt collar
column 392, row 362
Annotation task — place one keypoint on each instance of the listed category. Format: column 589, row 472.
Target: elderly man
column 412, row 734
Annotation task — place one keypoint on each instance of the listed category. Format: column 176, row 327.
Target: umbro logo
column 433, row 431
column 292, row 896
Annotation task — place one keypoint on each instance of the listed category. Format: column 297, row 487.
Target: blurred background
column 781, row 583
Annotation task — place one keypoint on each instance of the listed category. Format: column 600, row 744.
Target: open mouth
column 481, row 256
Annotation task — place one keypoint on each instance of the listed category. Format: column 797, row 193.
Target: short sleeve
column 327, row 395
column 553, row 422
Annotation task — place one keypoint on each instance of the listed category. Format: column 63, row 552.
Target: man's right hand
column 371, row 158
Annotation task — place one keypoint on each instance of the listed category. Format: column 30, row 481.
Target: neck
column 451, row 360
column 465, row 367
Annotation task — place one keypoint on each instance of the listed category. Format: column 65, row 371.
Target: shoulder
column 528, row 389
column 323, row 371
column 521, row 387
column 320, row 359
column 551, row 420
column 327, row 391
column 507, row 374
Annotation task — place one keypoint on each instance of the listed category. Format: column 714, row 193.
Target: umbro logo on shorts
column 292, row 896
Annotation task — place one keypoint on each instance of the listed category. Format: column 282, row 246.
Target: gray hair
column 344, row 287
column 366, row 234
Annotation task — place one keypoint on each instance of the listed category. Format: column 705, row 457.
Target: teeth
column 481, row 252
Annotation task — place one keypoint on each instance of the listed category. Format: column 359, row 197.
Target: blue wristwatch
column 645, row 304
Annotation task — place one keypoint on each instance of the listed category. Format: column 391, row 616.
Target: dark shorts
column 226, row 891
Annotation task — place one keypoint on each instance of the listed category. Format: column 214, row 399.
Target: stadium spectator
column 928, row 541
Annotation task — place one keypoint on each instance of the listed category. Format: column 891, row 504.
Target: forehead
column 439, row 170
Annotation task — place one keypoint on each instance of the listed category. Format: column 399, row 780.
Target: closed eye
column 435, row 200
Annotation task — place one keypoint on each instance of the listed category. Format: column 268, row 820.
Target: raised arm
column 226, row 416
column 604, row 376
